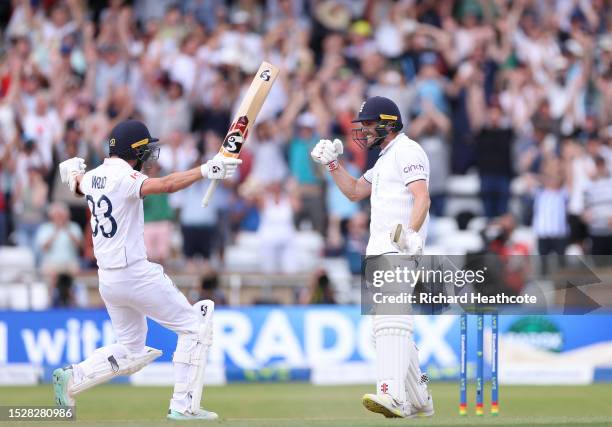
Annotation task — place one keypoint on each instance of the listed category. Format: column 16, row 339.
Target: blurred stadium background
column 512, row 101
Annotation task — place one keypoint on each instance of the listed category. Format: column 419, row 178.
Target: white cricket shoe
column 386, row 405
column 428, row 409
column 201, row 415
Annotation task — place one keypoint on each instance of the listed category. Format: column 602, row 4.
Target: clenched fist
column 69, row 170
column 326, row 153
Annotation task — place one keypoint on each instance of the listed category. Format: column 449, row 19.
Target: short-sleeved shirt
column 112, row 191
column 401, row 162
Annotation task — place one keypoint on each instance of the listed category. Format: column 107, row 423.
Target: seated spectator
column 516, row 267
column 356, row 241
column 68, row 293
column 319, row 290
column 244, row 213
column 58, row 241
column 209, row 289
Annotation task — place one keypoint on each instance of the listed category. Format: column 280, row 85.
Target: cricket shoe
column 386, row 405
column 426, row 410
column 62, row 382
column 188, row 416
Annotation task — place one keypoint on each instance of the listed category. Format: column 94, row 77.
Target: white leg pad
column 393, row 336
column 192, row 350
column 416, row 382
column 111, row 361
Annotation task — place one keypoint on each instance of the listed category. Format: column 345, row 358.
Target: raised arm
column 219, row 167
column 326, row 153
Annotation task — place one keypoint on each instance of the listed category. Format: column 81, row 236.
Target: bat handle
column 209, row 192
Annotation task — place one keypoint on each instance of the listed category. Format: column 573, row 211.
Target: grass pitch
column 293, row 405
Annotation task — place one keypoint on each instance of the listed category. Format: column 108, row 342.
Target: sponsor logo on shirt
column 413, row 168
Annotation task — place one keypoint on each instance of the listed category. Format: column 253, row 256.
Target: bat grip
column 209, row 192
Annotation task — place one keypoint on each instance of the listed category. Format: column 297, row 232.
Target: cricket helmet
column 385, row 113
column 131, row 140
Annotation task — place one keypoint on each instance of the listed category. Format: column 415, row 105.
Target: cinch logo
column 412, row 168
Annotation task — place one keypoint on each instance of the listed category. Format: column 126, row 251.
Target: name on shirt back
column 98, row 182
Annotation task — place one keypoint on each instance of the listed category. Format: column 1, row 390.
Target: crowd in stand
column 518, row 92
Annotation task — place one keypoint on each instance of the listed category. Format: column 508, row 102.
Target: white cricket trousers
column 143, row 290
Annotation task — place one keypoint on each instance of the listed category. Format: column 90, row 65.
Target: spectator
column 340, row 209
column 550, row 211
column 3, row 214
column 72, row 145
column 516, row 266
column 306, row 174
column 356, row 241
column 43, row 125
column 58, row 241
column 431, row 129
column 198, row 226
column 319, row 290
column 209, row 289
column 598, row 209
column 276, row 230
column 158, row 216
column 478, row 82
column 269, row 164
column 30, row 198
column 493, row 142
column 67, row 292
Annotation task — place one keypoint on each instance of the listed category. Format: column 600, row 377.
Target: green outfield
column 259, row 405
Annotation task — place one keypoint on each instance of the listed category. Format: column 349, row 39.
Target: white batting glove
column 220, row 167
column 69, row 170
column 326, row 153
column 408, row 241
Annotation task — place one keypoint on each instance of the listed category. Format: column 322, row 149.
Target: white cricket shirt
column 112, row 191
column 401, row 162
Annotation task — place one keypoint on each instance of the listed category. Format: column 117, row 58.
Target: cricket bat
column 245, row 117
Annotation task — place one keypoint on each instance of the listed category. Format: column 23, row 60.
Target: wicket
column 463, row 380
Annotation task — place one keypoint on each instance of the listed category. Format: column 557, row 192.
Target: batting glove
column 69, row 170
column 408, row 242
column 220, row 167
column 326, row 152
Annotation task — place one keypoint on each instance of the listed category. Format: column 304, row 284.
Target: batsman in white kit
column 131, row 287
column 398, row 188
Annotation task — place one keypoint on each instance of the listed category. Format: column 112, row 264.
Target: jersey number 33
column 105, row 221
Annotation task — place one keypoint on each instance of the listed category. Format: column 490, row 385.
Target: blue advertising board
column 290, row 342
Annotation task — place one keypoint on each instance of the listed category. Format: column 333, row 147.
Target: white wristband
column 204, row 170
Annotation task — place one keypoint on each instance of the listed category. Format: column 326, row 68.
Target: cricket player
column 398, row 190
column 131, row 287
